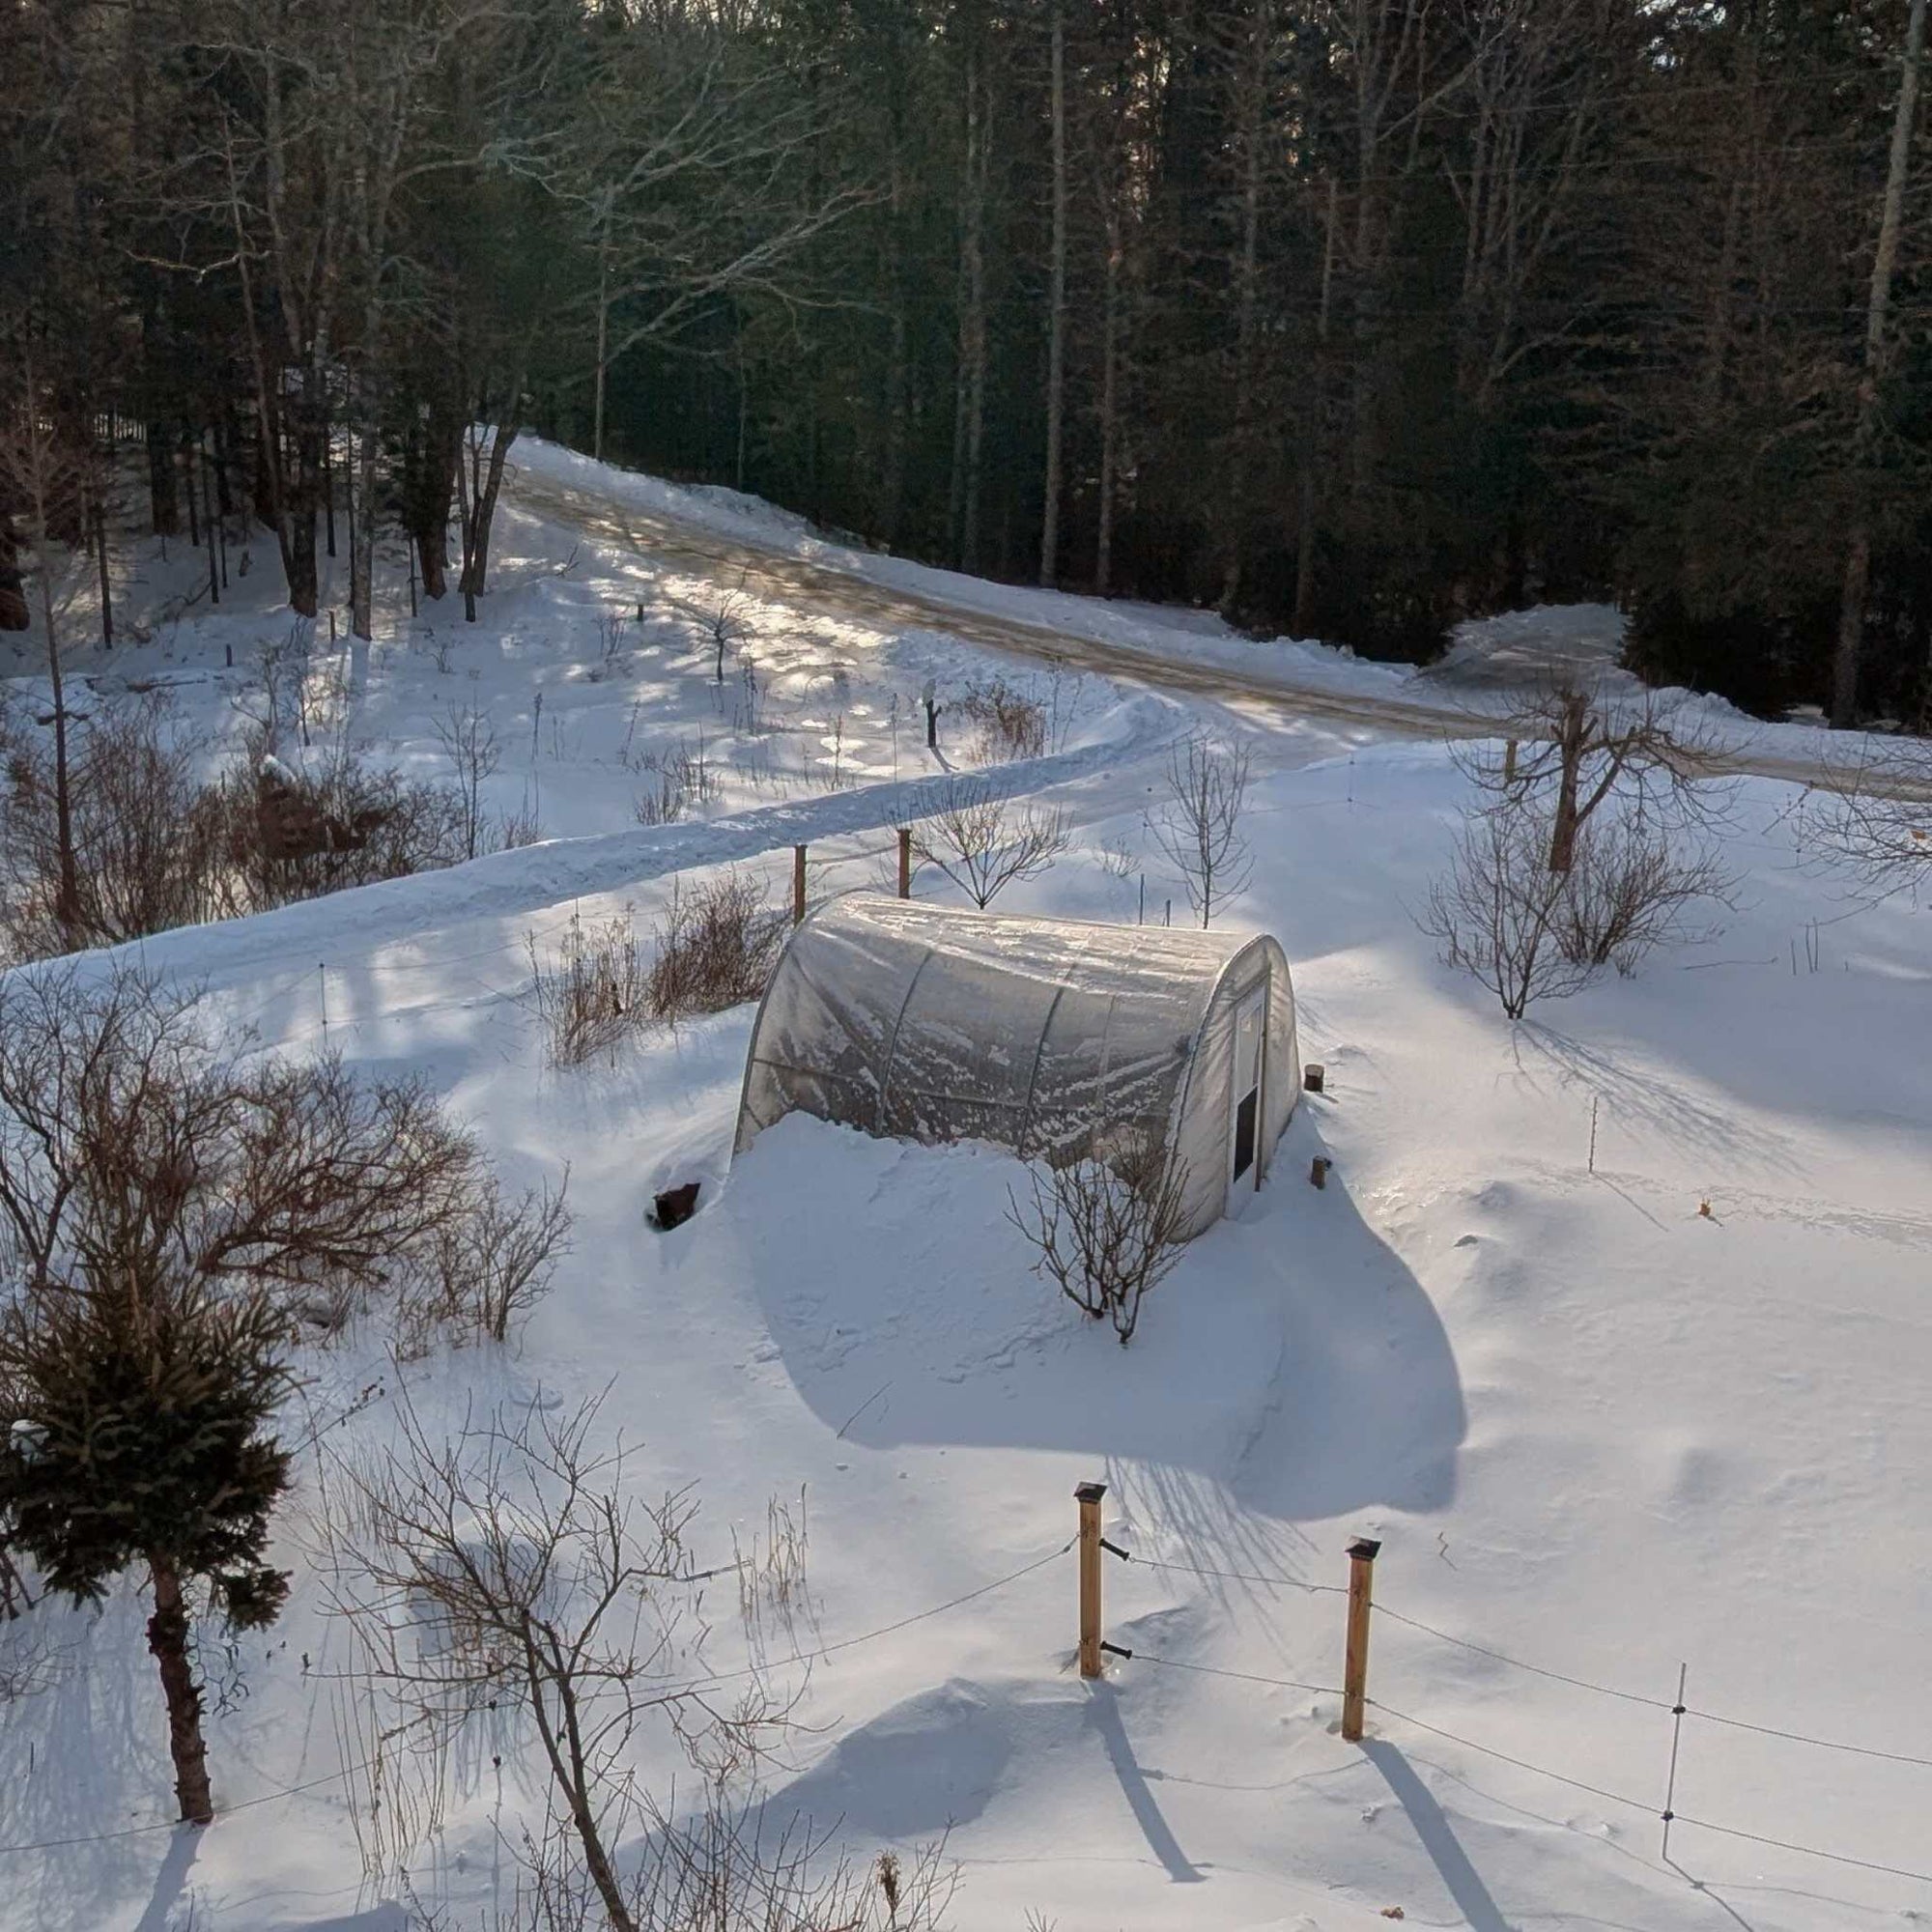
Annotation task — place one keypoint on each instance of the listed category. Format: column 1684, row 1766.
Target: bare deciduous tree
column 1106, row 1226
column 985, row 843
column 1587, row 748
column 1200, row 826
column 1631, row 889
column 507, row 1566
column 1877, row 815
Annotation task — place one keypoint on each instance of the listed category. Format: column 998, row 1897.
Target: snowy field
column 1611, row 1326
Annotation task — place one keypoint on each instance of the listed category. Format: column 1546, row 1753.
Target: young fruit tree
column 1200, row 826
column 168, row 1211
column 1576, row 753
column 985, row 843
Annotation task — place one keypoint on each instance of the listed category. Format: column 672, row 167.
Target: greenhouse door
column 1244, row 1125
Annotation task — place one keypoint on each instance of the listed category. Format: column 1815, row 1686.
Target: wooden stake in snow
column 1088, row 1495
column 905, row 862
column 796, row 884
column 1362, row 1554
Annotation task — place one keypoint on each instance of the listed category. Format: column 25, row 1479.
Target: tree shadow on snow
column 1291, row 1366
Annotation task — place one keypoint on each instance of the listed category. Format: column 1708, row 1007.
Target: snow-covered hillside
column 1612, row 1326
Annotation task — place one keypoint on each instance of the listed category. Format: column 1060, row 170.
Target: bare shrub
column 613, row 626
column 1630, row 891
column 1007, row 723
column 676, row 778
column 518, row 829
column 368, row 823
column 485, row 1268
column 1106, row 1226
column 275, row 699
column 1495, row 913
column 1199, row 826
column 591, row 991
column 157, row 847
column 716, row 947
column 469, row 743
column 729, row 1867
column 149, row 838
column 985, row 843
column 772, row 1594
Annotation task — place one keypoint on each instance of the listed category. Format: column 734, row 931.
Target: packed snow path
column 848, row 585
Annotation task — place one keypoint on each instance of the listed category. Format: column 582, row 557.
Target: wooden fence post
column 1088, row 1495
column 796, row 884
column 1362, row 1553
column 905, row 862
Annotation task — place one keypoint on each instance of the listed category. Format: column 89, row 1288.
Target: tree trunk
column 1571, row 735
column 562, row 1739
column 602, row 337
column 479, row 508
column 98, row 519
column 1864, row 436
column 899, row 368
column 1246, row 280
column 1056, row 347
column 193, row 486
column 1304, row 622
column 13, row 614
column 167, row 1639
column 164, row 499
column 431, row 454
column 66, row 891
column 362, row 462
column 1110, row 410
column 970, row 412
column 294, row 479
column 329, row 490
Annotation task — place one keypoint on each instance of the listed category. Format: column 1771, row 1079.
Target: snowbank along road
column 827, row 590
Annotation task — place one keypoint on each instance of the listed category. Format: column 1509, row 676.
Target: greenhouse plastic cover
column 934, row 1024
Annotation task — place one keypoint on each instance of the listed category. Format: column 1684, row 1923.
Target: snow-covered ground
column 1599, row 1429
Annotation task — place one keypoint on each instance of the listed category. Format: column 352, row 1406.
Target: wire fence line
column 660, row 1693
column 1385, row 1611
column 805, row 1658
column 1665, row 1812
column 1655, row 1703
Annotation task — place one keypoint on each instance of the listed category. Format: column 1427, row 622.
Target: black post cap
column 1089, row 1493
column 1366, row 1548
